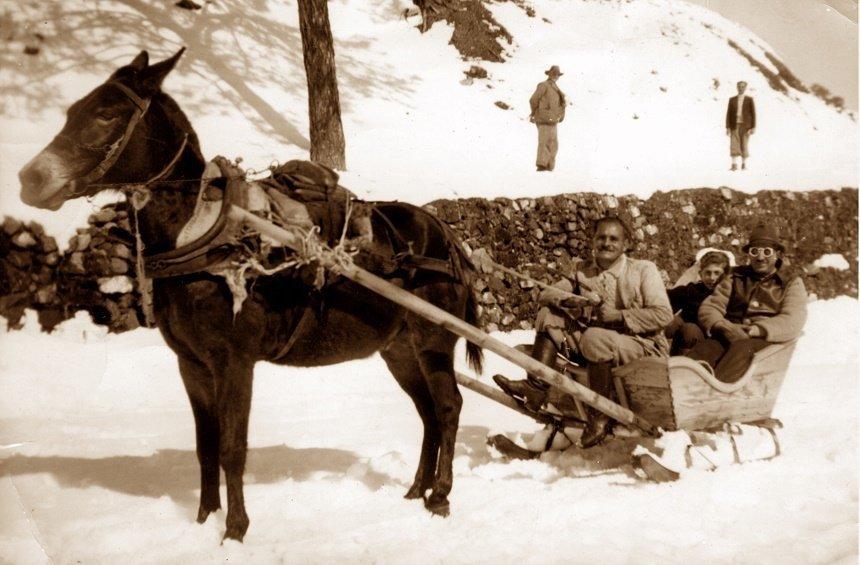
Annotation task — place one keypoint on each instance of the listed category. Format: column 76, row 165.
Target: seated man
column 684, row 331
column 627, row 324
column 760, row 303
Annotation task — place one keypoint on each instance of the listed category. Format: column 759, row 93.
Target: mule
column 128, row 131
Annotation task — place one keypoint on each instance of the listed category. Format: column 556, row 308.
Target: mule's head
column 101, row 136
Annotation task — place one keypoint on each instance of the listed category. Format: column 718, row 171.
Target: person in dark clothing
column 740, row 125
column 758, row 304
column 684, row 331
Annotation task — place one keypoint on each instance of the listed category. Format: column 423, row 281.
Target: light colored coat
column 641, row 297
column 547, row 103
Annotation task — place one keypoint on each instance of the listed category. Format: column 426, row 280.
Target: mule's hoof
column 415, row 492
column 237, row 534
column 236, row 528
column 204, row 513
column 438, row 507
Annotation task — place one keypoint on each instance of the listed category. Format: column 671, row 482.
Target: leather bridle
column 115, row 149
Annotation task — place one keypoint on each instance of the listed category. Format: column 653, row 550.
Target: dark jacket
column 775, row 303
column 687, row 299
column 748, row 112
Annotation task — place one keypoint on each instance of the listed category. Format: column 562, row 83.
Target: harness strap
column 294, row 336
column 141, row 103
column 408, row 260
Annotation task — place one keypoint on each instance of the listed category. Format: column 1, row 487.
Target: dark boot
column 599, row 424
column 531, row 390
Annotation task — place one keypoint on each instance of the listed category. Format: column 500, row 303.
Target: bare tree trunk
column 327, row 142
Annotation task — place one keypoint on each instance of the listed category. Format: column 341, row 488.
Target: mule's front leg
column 200, row 386
column 438, row 369
column 234, row 407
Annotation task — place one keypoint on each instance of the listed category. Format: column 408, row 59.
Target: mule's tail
column 465, row 271
column 474, row 355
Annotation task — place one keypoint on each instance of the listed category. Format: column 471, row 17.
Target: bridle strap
column 118, row 146
column 141, row 103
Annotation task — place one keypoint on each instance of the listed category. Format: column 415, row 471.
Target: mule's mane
column 180, row 122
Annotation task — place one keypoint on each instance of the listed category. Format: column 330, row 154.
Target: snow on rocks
column 832, row 261
column 119, row 284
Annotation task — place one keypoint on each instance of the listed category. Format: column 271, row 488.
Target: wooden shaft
column 562, row 293
column 453, row 324
column 490, row 392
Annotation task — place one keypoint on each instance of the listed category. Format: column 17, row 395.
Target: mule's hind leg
column 401, row 361
column 435, row 350
column 200, row 386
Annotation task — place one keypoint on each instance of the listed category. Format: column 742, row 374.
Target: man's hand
column 732, row 332
column 572, row 302
column 754, row 331
column 608, row 314
column 532, row 118
column 728, row 132
column 752, row 131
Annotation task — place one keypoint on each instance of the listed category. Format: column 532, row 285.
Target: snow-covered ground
column 98, row 466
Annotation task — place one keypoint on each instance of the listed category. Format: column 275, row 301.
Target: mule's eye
column 105, row 119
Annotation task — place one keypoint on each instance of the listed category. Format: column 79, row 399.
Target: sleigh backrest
column 679, row 393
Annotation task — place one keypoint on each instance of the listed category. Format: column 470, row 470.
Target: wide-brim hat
column 764, row 236
column 553, row 70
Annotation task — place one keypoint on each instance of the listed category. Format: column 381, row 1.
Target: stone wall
column 535, row 236
column 539, row 236
column 95, row 273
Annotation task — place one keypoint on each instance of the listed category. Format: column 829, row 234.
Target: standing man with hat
column 547, row 110
column 757, row 304
column 740, row 124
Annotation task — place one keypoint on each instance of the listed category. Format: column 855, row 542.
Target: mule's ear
column 153, row 76
column 140, row 62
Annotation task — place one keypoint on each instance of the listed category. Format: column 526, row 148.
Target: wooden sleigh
column 679, row 393
column 722, row 423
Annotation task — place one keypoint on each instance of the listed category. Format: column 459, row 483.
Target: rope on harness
column 312, row 249
column 139, row 199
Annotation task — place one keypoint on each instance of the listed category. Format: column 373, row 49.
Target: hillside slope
column 647, row 81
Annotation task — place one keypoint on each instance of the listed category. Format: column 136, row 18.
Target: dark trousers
column 729, row 360
column 683, row 336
